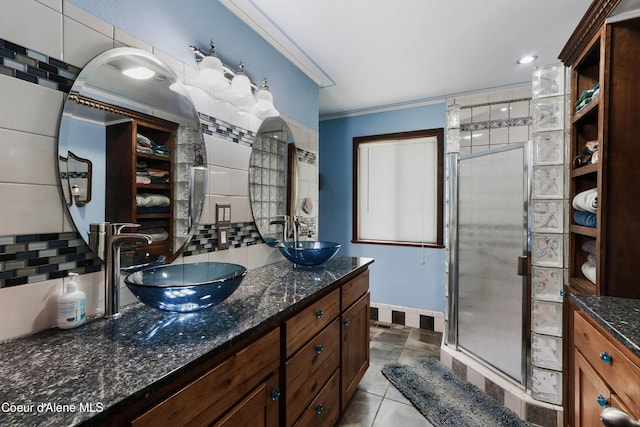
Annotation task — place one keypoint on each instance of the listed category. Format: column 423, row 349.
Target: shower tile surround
column 480, row 113
column 44, row 248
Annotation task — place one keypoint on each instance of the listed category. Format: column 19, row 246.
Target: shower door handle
column 523, row 266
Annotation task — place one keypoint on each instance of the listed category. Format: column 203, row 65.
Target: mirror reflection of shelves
column 140, row 164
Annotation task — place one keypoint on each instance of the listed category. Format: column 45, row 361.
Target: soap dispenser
column 71, row 306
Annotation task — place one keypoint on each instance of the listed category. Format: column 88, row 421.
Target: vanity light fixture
column 212, row 72
column 527, row 59
column 264, row 102
column 139, row 73
column 241, row 94
column 234, row 87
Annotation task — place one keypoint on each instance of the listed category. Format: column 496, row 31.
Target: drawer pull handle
column 275, row 394
column 346, row 322
column 319, row 314
column 602, row 401
column 319, row 409
column 605, row 357
column 319, row 349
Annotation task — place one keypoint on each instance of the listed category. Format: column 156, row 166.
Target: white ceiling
column 366, row 54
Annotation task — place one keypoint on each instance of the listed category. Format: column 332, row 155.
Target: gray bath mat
column 446, row 400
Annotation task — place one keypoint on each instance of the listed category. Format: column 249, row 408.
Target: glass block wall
column 549, row 196
column 268, row 166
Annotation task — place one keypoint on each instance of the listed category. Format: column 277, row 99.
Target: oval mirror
column 273, row 180
column 130, row 150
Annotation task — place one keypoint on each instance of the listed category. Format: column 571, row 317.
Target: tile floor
column 377, row 403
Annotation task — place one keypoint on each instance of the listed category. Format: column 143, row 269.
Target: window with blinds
column 398, row 188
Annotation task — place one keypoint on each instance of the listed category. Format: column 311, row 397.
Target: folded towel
column 586, row 200
column 145, row 150
column 143, row 140
column 148, row 200
column 159, row 237
column 589, row 246
column 586, row 219
column 143, row 180
column 152, row 210
column 591, row 259
column 589, row 271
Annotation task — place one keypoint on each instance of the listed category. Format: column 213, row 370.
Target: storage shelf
column 153, row 186
column 153, row 216
column 580, row 285
column 580, row 229
column 584, row 170
column 588, row 109
column 152, row 156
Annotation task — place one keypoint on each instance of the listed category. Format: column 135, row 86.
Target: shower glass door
column 492, row 234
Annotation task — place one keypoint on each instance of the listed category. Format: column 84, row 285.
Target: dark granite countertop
column 618, row 316
column 60, row 376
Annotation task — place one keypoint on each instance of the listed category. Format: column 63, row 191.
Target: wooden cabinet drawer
column 325, row 408
column 622, row 375
column 354, row 289
column 310, row 368
column 208, row 397
column 306, row 324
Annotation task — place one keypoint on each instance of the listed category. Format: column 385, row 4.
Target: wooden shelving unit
column 122, row 161
column 612, row 60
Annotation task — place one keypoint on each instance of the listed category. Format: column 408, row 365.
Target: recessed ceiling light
column 139, row 73
column 527, row 59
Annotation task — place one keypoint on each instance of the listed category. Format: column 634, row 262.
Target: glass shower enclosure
column 492, row 239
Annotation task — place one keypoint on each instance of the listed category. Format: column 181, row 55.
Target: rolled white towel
column 586, row 201
column 589, row 271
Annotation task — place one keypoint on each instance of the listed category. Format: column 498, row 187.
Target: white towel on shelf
column 148, row 200
column 586, row 201
column 589, row 271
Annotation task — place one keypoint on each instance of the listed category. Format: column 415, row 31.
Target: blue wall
column 174, row 25
column 404, row 276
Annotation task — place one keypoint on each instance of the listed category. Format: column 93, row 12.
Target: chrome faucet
column 296, row 223
column 614, row 417
column 284, row 222
column 107, row 239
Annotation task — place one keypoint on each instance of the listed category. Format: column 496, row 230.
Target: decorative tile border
column 35, row 258
column 205, row 239
column 494, row 124
column 212, row 126
column 307, row 156
column 32, row 66
column 397, row 315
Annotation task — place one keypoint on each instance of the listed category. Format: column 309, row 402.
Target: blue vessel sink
column 309, row 253
column 186, row 287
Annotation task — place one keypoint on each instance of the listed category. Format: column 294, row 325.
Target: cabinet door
column 259, row 409
column 355, row 347
column 591, row 393
column 213, row 394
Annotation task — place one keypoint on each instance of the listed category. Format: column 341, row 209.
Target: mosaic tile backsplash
column 39, row 257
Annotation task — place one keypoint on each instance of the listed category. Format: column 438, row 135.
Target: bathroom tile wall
column 493, row 120
column 38, row 243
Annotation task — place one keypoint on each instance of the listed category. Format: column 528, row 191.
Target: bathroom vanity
column 287, row 348
column 605, row 357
